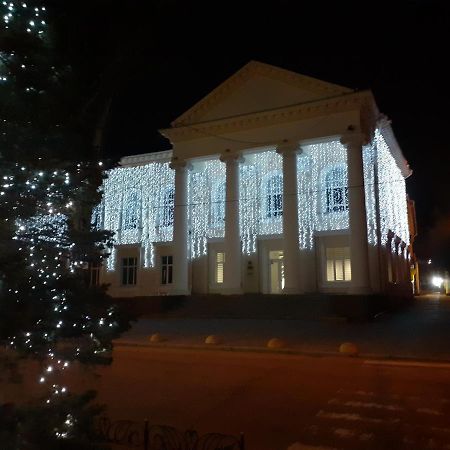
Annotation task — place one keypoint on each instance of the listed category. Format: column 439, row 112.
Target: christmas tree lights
column 48, row 311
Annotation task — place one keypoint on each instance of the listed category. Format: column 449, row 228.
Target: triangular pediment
column 255, row 88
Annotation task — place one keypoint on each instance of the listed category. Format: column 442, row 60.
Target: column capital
column 180, row 164
column 229, row 156
column 289, row 147
column 354, row 139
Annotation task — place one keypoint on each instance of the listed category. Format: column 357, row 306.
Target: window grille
column 336, row 190
column 274, row 196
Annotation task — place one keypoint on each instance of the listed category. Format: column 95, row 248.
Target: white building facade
column 277, row 183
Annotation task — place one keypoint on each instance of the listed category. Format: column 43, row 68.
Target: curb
column 285, row 351
column 227, row 348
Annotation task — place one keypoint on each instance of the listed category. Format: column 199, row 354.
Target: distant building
column 414, row 262
column 277, row 183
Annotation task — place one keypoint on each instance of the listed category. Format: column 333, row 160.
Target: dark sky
column 167, row 54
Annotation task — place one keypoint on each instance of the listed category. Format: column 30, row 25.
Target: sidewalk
column 420, row 332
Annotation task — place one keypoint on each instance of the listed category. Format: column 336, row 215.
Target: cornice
column 388, row 134
column 146, row 158
column 194, row 114
column 340, row 103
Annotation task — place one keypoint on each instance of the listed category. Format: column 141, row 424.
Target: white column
column 232, row 268
column 357, row 214
column 180, row 229
column 292, row 274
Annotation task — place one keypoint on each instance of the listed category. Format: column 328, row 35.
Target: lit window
column 218, row 206
column 167, row 208
column 166, row 269
column 130, row 211
column 129, row 271
column 274, row 196
column 336, row 190
column 338, row 264
column 220, row 262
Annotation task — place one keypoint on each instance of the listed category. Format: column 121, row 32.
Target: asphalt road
column 275, row 399
column 278, row 400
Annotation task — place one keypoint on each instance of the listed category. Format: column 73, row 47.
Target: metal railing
column 142, row 435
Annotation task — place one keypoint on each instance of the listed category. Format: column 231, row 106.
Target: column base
column 292, row 291
column 231, row 291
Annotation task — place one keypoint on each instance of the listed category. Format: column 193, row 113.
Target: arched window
column 131, row 208
column 218, row 205
column 166, row 219
column 274, row 196
column 336, row 190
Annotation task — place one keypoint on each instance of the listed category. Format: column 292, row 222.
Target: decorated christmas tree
column 51, row 307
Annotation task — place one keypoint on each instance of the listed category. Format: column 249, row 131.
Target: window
column 129, row 271
column 131, row 205
column 336, row 190
column 167, row 208
column 94, row 274
column 166, row 269
column 220, row 262
column 338, row 264
column 218, row 206
column 274, row 196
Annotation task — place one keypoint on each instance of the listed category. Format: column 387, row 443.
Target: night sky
column 165, row 55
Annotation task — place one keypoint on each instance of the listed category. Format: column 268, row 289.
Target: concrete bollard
column 155, row 338
column 276, row 343
column 213, row 340
column 349, row 349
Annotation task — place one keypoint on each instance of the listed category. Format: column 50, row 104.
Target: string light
column 207, row 205
column 369, row 187
column 318, row 165
column 138, row 206
column 260, row 197
column 392, row 193
column 322, row 189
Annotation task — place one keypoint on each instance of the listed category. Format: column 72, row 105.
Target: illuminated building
column 276, row 183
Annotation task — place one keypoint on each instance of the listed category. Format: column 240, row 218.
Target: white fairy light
column 136, row 207
column 322, row 190
column 207, row 202
column 138, row 201
column 392, row 193
column 260, row 199
column 370, row 187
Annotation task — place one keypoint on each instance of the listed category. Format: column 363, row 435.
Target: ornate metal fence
column 142, row 435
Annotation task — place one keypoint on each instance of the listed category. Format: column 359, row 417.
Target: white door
column 276, row 271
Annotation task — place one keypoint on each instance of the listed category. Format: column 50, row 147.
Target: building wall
column 149, row 237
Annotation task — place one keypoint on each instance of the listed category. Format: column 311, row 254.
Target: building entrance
column 276, row 271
